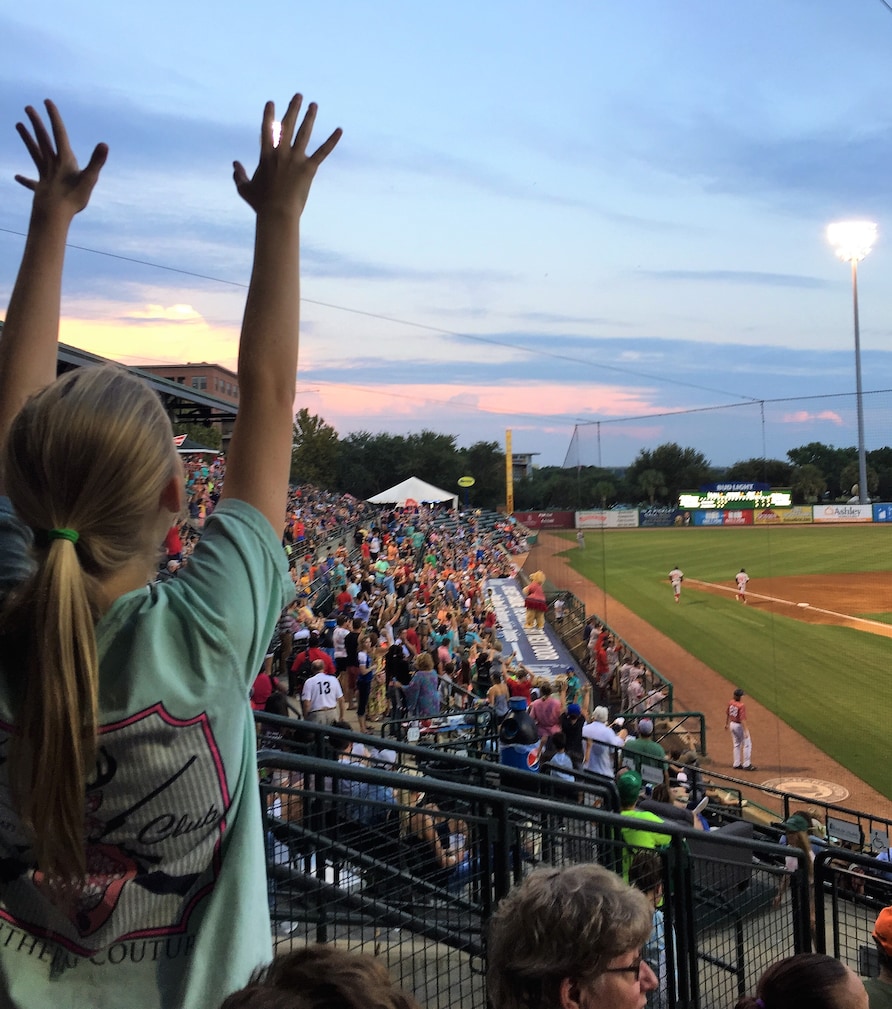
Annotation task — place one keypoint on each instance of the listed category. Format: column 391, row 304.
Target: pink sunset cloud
column 806, row 417
column 348, row 406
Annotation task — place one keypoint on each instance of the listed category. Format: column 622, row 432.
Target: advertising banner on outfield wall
column 737, row 517
column 797, row 515
column 650, row 517
column 546, row 520
column 882, row 513
column 717, row 517
column 706, row 517
column 625, row 518
column 843, row 513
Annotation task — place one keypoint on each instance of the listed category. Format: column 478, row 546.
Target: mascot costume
column 534, row 600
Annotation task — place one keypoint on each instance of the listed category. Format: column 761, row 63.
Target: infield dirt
column 842, row 599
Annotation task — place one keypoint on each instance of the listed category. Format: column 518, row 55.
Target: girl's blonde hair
column 91, row 453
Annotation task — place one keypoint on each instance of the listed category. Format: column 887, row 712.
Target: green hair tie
column 63, row 534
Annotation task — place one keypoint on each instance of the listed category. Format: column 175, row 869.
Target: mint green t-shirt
column 174, row 914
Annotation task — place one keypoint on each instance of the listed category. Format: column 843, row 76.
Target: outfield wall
column 641, row 518
column 547, row 520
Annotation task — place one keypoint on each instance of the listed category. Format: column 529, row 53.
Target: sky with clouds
column 589, row 212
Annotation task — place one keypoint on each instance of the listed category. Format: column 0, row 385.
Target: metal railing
column 467, row 732
column 346, row 865
column 855, row 888
column 675, row 730
column 857, row 830
column 570, row 631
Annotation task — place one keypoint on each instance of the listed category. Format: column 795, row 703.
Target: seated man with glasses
column 570, row 938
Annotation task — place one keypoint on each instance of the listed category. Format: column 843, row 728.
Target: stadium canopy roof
column 414, row 491
column 183, row 404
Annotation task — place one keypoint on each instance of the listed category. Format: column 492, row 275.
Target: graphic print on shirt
column 152, row 844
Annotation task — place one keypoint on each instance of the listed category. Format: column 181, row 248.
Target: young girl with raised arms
column 131, row 851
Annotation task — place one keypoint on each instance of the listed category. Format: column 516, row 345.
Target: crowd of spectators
column 313, row 517
column 618, row 673
column 410, row 631
column 410, row 622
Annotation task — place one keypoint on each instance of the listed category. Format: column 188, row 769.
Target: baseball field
column 813, row 642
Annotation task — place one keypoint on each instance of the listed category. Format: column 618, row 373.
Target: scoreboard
column 736, row 495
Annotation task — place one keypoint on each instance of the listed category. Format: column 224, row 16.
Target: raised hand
column 60, row 184
column 259, row 457
column 30, row 333
column 283, row 177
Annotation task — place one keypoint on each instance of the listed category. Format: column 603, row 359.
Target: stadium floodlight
column 852, row 241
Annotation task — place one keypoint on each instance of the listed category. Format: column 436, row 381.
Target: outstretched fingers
column 266, row 129
column 290, row 119
column 302, row 137
column 94, row 166
column 60, row 134
column 38, row 145
column 29, row 143
column 324, row 149
column 59, row 181
column 242, row 183
column 44, row 143
column 239, row 175
column 285, row 170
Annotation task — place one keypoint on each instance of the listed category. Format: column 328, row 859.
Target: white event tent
column 414, row 491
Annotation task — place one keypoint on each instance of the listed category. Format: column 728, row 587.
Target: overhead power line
column 598, row 365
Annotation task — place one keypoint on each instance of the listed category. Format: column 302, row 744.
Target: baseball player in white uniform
column 735, row 719
column 741, row 578
column 676, row 578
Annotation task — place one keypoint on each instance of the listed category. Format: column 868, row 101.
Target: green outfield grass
column 832, row 684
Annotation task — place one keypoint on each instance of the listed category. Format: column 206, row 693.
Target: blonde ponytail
column 85, row 464
column 55, row 743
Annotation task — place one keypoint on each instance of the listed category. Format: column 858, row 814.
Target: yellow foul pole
column 509, row 474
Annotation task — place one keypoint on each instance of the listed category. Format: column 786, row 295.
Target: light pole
column 852, row 240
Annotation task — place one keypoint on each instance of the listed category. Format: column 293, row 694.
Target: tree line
column 363, row 464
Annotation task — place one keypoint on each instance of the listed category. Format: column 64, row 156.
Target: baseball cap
column 882, row 930
column 600, row 714
column 797, row 822
column 738, row 693
column 629, row 786
column 645, row 726
column 574, row 709
column 619, row 720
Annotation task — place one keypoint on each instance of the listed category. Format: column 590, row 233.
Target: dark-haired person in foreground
column 807, row 981
column 323, row 977
column 570, row 938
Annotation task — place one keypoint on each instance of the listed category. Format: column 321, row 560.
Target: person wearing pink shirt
column 546, row 712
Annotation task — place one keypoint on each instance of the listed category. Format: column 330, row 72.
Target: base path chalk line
column 789, row 602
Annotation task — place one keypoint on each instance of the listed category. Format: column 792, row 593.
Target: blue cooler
column 518, row 738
